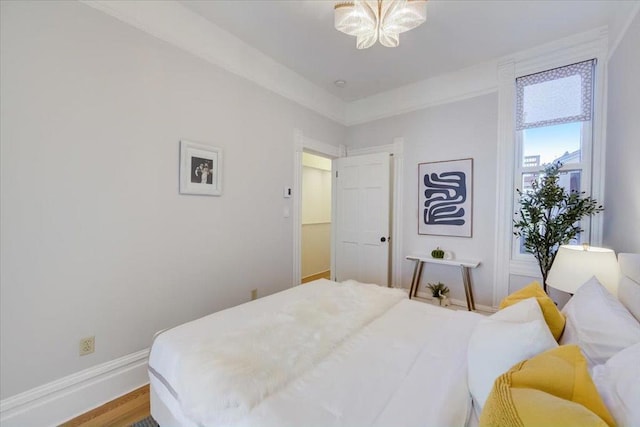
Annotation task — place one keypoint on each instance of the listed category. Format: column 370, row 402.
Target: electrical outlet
column 87, row 345
column 254, row 294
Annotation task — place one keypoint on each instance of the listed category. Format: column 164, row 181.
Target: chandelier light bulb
column 379, row 20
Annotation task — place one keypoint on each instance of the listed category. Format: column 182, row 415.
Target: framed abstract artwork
column 445, row 203
column 200, row 169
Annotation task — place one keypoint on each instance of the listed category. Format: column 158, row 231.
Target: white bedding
column 407, row 367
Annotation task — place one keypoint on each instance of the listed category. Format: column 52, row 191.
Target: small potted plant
column 437, row 253
column 439, row 291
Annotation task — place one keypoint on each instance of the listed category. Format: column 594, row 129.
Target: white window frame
column 584, row 166
column 582, row 47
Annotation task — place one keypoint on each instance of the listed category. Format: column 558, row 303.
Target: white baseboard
column 61, row 400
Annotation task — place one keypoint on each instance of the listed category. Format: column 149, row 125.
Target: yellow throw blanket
column 551, row 389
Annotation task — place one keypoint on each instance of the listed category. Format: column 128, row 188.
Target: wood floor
column 321, row 275
column 121, row 412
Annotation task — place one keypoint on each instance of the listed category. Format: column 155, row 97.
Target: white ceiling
column 300, row 35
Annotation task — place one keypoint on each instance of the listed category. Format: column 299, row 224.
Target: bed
column 352, row 354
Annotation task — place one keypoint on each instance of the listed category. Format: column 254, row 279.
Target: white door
column 362, row 218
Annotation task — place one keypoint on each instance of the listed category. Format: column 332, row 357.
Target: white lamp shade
column 574, row 265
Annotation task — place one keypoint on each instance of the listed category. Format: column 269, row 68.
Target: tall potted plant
column 549, row 217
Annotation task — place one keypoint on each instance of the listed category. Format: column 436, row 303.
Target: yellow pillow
column 552, row 388
column 555, row 320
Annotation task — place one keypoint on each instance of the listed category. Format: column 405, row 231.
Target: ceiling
column 300, row 35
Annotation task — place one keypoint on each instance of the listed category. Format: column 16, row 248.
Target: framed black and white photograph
column 200, row 169
column 445, row 203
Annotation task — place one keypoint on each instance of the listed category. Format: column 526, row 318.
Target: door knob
column 383, row 239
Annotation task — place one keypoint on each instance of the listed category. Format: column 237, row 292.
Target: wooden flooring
column 121, row 412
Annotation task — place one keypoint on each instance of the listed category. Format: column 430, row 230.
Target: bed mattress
column 407, row 367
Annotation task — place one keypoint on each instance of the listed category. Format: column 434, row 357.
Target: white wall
column 95, row 238
column 457, row 130
column 622, row 197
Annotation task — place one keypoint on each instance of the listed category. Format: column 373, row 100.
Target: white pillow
column 629, row 287
column 513, row 334
column 617, row 382
column 598, row 323
column 629, row 296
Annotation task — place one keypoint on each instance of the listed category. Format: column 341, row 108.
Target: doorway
column 316, row 225
column 301, row 144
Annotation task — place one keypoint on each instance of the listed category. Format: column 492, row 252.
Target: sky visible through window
column 551, row 142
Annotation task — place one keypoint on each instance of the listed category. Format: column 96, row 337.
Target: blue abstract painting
column 445, row 203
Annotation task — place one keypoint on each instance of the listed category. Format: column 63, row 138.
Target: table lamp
column 575, row 264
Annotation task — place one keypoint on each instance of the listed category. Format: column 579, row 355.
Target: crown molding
column 450, row 87
column 623, row 31
column 172, row 22
column 472, row 81
column 575, row 48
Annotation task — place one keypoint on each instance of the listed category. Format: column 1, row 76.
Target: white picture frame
column 200, row 169
column 445, row 198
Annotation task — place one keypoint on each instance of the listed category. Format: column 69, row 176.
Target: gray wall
column 622, row 197
column 458, row 130
column 95, row 238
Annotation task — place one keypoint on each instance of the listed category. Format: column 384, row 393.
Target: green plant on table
column 437, row 253
column 549, row 216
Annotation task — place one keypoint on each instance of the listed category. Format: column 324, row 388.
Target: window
column 554, row 123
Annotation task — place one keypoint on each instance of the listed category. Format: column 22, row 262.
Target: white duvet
column 366, row 360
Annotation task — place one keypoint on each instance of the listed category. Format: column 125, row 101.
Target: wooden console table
column 464, row 265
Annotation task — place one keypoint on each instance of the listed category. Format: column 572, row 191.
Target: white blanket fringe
column 221, row 381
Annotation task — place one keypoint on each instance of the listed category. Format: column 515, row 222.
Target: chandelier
column 384, row 20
